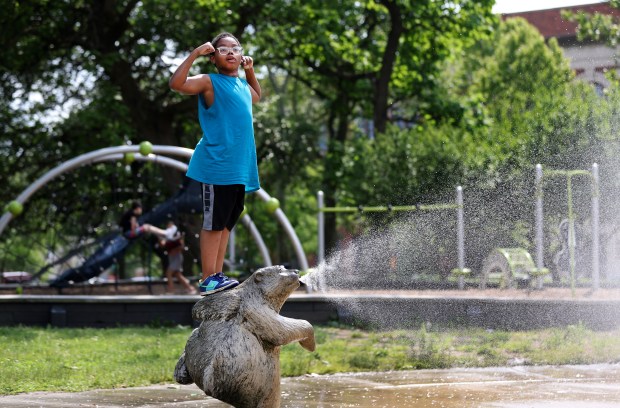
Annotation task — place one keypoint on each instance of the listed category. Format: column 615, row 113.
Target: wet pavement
column 592, row 386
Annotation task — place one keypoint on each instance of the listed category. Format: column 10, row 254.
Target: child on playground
column 173, row 244
column 132, row 228
column 224, row 160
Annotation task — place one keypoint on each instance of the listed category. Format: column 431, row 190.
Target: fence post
column 595, row 228
column 321, row 228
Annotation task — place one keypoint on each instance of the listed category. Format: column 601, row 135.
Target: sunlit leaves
column 596, row 26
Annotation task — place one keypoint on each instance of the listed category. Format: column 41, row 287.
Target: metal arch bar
column 158, row 149
column 116, row 153
column 290, row 231
column 249, row 224
column 166, row 161
column 60, row 169
column 280, row 216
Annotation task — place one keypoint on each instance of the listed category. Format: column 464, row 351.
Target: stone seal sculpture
column 234, row 355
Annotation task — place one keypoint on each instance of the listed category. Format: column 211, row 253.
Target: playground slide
column 101, row 260
column 187, row 200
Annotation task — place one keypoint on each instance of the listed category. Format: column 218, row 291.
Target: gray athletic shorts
column 175, row 261
column 222, row 206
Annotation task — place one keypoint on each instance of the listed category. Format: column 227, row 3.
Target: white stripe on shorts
column 208, row 198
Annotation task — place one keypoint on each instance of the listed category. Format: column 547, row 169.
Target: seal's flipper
column 181, row 375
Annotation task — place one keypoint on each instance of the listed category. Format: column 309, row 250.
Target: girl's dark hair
column 223, row 35
column 136, row 204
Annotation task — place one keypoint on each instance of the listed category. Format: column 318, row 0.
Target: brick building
column 590, row 60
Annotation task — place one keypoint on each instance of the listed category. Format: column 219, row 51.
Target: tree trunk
column 337, row 129
column 382, row 82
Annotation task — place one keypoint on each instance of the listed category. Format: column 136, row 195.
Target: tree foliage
column 373, row 101
column 597, row 27
column 520, row 106
column 96, row 74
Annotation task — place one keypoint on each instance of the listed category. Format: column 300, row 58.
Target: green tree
column 367, row 60
column 513, row 92
column 107, row 63
column 520, row 105
column 596, row 26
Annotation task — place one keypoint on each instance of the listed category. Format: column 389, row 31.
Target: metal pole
column 231, row 249
column 460, row 235
column 571, row 233
column 149, row 254
column 540, row 260
column 595, row 228
column 321, row 228
column 540, row 263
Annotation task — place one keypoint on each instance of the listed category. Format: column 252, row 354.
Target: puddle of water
column 595, row 386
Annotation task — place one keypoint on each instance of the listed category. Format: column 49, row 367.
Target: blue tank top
column 226, row 153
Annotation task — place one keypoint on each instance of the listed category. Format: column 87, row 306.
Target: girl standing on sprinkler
column 224, row 160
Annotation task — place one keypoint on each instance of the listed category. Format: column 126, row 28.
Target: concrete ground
column 593, row 386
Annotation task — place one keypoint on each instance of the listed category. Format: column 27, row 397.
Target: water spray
column 593, row 175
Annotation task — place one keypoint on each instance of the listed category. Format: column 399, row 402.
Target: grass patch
column 51, row 359
column 40, row 359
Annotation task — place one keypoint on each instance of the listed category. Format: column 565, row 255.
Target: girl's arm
column 194, row 85
column 250, row 76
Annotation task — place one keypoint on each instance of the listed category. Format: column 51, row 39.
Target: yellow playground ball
column 129, row 158
column 146, row 148
column 15, row 208
column 272, row 205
